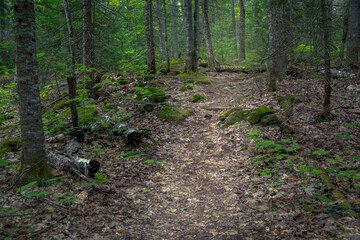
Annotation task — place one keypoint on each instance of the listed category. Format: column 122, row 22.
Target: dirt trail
column 199, row 195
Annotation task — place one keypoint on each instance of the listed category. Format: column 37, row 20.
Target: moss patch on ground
column 197, row 98
column 172, row 115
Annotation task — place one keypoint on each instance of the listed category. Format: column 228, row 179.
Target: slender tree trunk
column 344, row 35
column 166, row 39
column 149, row 32
column 72, row 79
column 234, row 28
column 242, row 30
column 88, row 47
column 196, row 31
column 353, row 47
column 33, row 166
column 174, row 30
column 190, row 65
column 4, row 56
column 160, row 20
column 277, row 48
column 207, row 36
column 327, row 98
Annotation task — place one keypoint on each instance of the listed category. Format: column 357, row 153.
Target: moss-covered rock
column 263, row 116
column 269, row 120
column 325, row 117
column 10, row 145
column 286, row 103
column 232, row 116
column 61, row 105
column 197, row 98
column 172, row 115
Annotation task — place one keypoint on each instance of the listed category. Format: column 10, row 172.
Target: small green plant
column 197, row 98
column 129, row 155
column 150, row 94
column 100, row 178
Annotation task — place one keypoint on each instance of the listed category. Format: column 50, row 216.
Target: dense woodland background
column 204, row 112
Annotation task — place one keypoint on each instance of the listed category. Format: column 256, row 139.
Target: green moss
column 10, row 145
column 171, row 115
column 286, row 103
column 272, row 89
column 197, row 98
column 262, row 111
column 233, row 116
column 325, row 118
column 39, row 172
column 86, row 115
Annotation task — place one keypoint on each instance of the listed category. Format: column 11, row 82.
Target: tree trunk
column 277, row 48
column 4, row 55
column 327, row 98
column 160, row 20
column 234, row 28
column 149, row 33
column 344, row 35
column 242, row 30
column 207, row 36
column 353, row 47
column 33, row 166
column 88, row 47
column 166, row 39
column 71, row 81
column 174, row 31
column 196, row 31
column 190, row 65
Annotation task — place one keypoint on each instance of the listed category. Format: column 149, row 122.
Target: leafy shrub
column 150, row 94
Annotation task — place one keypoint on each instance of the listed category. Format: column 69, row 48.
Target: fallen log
column 63, row 162
column 129, row 134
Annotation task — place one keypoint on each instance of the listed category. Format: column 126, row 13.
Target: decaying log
column 339, row 74
column 130, row 135
column 63, row 162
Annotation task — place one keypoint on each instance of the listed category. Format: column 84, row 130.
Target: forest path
column 199, row 194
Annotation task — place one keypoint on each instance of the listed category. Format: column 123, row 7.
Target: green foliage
column 129, row 155
column 100, row 178
column 197, row 98
column 150, row 94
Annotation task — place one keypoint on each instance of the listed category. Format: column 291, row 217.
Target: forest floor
column 207, row 185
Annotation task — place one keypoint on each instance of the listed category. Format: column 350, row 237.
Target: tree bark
column 149, row 33
column 207, row 36
column 234, row 28
column 344, row 35
column 33, row 166
column 160, row 20
column 71, row 81
column 190, row 65
column 242, row 30
column 277, row 48
column 196, row 31
column 166, row 39
column 327, row 98
column 88, row 46
column 353, row 46
column 174, row 31
column 4, row 55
